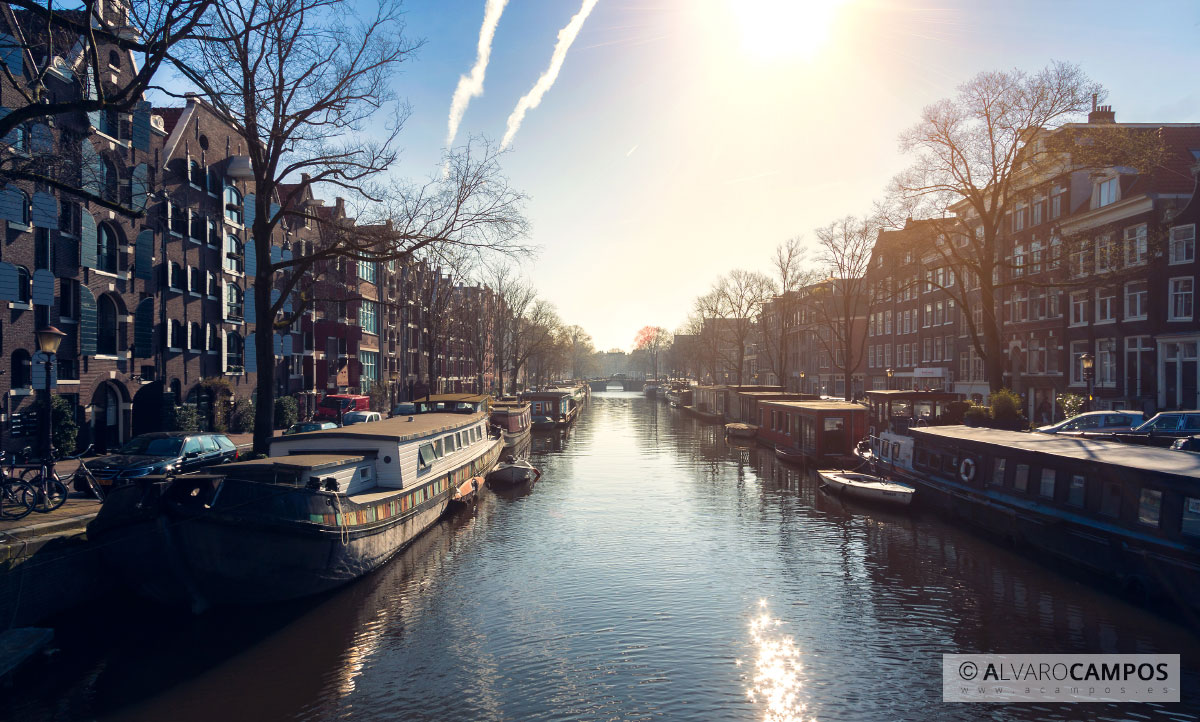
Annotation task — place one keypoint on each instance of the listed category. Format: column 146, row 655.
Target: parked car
column 334, row 406
column 1161, row 431
column 1187, row 443
column 361, row 417
column 404, row 409
column 1106, row 421
column 162, row 452
column 306, row 426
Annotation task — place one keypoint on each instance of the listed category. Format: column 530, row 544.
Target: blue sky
column 685, row 138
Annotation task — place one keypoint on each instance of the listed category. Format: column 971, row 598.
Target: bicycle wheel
column 16, row 499
column 51, row 494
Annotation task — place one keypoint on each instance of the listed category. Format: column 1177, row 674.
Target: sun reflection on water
column 776, row 685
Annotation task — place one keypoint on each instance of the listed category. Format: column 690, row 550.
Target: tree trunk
column 264, row 342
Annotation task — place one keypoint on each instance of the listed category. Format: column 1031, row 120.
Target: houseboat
column 893, row 412
column 816, row 432
column 680, row 394
column 324, row 509
column 552, row 409
column 742, row 406
column 513, row 419
column 1131, row 514
column 453, row 403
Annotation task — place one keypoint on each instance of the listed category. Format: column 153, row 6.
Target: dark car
column 163, row 452
column 1188, row 443
column 304, row 427
column 1162, row 430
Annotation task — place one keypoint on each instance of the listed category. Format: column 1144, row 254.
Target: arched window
column 26, row 208
column 109, row 181
column 234, row 252
column 177, row 278
column 233, row 204
column 106, row 326
column 234, row 351
column 196, row 174
column 20, row 138
column 21, row 372
column 214, row 337
column 106, row 249
column 233, row 302
column 23, row 284
column 114, row 59
column 197, row 340
column 177, row 340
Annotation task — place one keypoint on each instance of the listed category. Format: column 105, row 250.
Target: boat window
column 950, row 464
column 426, row 456
column 883, row 451
column 834, row 423
column 1110, row 505
column 437, row 449
column 998, row 472
column 935, row 461
column 364, row 473
column 1150, row 507
column 1078, row 490
column 451, row 444
column 895, row 449
column 1047, row 488
column 1021, row 481
column 1191, row 516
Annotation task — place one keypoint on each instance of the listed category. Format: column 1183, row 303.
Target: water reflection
column 616, row 588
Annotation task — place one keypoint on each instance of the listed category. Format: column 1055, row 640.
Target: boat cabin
column 511, row 416
column 329, row 472
column 550, row 408
column 821, row 431
column 452, row 403
column 898, row 410
column 744, row 407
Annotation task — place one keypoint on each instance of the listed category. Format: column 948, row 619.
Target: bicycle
column 17, row 497
column 83, row 480
column 49, row 491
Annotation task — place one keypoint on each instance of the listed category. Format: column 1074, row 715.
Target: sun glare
column 776, row 30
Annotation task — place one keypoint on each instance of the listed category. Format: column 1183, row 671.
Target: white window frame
column 1171, row 293
column 1182, row 244
column 1106, row 305
column 1135, row 245
column 1142, row 297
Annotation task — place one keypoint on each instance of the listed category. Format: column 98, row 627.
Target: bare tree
column 652, row 340
column 776, row 314
column 842, row 301
column 978, row 153
column 300, row 80
column 742, row 294
column 534, row 336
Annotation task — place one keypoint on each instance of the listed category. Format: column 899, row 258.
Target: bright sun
column 784, row 29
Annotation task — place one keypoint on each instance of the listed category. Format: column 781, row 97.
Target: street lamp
column 802, row 375
column 395, row 376
column 1088, row 363
column 48, row 340
column 889, row 372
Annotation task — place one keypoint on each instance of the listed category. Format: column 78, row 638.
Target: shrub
column 1006, row 410
column 241, row 419
column 1071, row 404
column 956, row 412
column 977, row 416
column 183, row 418
column 64, row 430
column 286, row 412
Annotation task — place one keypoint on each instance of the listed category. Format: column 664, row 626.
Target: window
column 366, row 271
column 214, row 286
column 68, row 299
column 214, row 338
column 106, row 326
column 1180, row 300
column 196, row 175
column 1135, row 300
column 1079, row 308
column 1078, row 349
column 43, row 249
column 233, row 205
column 234, row 254
column 1106, row 362
column 1191, row 516
column 196, row 280
column 368, row 316
column 1107, row 192
column 1021, row 480
column 235, row 352
column 1047, row 486
column 425, row 457
column 1150, row 507
column 1056, row 201
column 1183, row 244
column 1139, row 365
column 1036, row 212
column 1107, row 257
column 1078, row 490
column 1106, row 305
column 1135, row 245
column 997, row 469
column 21, row 370
column 233, row 302
column 370, row 369
column 197, row 340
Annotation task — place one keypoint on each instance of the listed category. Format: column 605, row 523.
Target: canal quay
column 656, row 571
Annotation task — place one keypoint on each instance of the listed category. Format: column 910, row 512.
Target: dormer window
column 1107, row 192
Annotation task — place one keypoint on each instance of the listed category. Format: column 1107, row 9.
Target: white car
column 360, row 417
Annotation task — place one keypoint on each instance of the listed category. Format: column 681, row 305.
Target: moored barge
column 1131, row 514
column 552, row 409
column 513, row 418
column 326, row 508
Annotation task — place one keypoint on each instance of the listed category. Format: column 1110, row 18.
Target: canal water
column 655, row 572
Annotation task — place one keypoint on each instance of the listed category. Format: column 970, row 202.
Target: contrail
column 530, row 100
column 470, row 86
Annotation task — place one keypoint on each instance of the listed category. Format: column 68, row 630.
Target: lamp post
column 48, row 340
column 889, row 372
column 1088, row 362
column 802, row 375
column 395, row 376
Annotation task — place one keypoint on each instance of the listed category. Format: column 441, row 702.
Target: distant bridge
column 626, row 383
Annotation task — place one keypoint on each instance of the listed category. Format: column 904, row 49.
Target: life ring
column 966, row 470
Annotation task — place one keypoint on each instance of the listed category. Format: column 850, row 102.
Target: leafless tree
column 742, row 294
column 535, row 327
column 300, row 81
column 777, row 313
column 842, row 300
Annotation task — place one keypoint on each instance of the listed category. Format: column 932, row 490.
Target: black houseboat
column 1128, row 513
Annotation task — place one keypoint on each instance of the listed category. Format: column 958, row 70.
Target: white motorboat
column 868, row 487
column 512, row 473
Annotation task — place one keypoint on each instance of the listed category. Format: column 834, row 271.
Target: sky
column 682, row 139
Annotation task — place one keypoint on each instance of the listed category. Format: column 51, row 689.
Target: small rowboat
column 512, row 473
column 741, row 431
column 467, row 491
column 790, row 455
column 868, row 487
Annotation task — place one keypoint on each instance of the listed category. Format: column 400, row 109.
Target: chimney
column 339, row 207
column 1102, row 114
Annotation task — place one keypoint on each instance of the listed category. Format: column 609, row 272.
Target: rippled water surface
column 655, row 572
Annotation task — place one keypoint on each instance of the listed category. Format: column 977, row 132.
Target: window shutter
column 143, row 329
column 248, row 210
column 250, row 360
column 10, row 205
column 143, row 256
column 141, row 126
column 87, row 322
column 251, row 259
column 248, row 304
column 39, row 371
column 224, row 299
column 9, row 283
column 223, row 339
column 43, row 287
column 90, row 167
column 93, row 116
column 87, row 240
column 139, row 182
column 45, row 210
